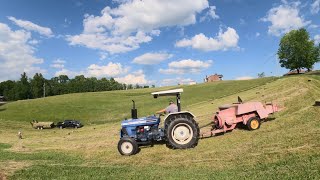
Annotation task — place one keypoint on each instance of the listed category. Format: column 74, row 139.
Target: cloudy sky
column 160, row 42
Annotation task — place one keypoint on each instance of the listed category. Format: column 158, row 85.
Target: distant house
column 2, row 98
column 213, row 78
column 192, row 83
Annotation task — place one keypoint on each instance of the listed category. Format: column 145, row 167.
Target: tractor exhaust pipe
column 134, row 111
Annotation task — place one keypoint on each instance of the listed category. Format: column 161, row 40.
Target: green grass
column 285, row 147
column 106, row 107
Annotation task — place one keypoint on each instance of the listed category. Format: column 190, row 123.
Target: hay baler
column 249, row 114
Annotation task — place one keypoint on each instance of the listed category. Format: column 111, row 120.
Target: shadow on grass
column 269, row 119
column 160, row 143
column 244, row 127
column 3, row 109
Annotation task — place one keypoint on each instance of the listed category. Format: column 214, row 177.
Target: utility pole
column 44, row 89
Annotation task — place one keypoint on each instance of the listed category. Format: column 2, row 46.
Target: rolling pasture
column 285, row 147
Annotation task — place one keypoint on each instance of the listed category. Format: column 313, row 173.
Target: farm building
column 213, row 78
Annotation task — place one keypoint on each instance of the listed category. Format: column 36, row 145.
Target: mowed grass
column 112, row 106
column 285, row 147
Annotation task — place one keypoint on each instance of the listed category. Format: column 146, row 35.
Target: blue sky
column 160, row 42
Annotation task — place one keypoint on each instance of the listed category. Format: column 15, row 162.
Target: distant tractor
column 42, row 125
column 249, row 114
column 180, row 130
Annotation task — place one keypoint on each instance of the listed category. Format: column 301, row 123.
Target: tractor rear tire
column 127, row 146
column 181, row 132
column 253, row 123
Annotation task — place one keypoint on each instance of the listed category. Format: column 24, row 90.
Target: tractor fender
column 179, row 113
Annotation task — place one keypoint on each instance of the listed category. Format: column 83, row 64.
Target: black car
column 69, row 124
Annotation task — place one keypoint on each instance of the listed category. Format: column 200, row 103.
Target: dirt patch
column 2, row 176
column 9, row 167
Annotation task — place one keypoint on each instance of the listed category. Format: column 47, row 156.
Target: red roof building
column 213, row 78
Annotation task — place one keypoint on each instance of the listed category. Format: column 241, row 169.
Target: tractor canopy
column 173, row 92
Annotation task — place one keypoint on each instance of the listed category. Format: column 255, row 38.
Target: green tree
column 37, row 85
column 22, row 88
column 8, row 89
column 297, row 51
column 63, row 79
column 34, row 88
column 261, row 75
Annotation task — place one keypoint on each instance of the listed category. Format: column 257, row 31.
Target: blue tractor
column 180, row 130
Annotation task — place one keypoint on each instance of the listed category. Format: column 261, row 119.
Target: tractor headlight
column 147, row 128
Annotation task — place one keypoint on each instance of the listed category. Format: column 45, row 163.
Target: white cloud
column 211, row 14
column 176, row 81
column 58, row 64
column 317, row 39
column 33, row 42
column 257, row 34
column 124, row 28
column 59, row 61
column 137, row 77
column 186, row 66
column 119, row 44
column 244, row 78
column 242, row 21
column 116, row 70
column 284, row 18
column 120, row 1
column 16, row 54
column 110, row 70
column 69, row 73
column 313, row 26
column 151, row 58
column 31, row 26
column 103, row 55
column 315, row 7
column 98, row 71
column 224, row 41
column 66, row 23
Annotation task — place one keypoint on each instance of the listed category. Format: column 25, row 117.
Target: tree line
column 38, row 86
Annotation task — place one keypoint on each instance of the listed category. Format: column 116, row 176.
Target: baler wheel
column 127, row 146
column 182, row 132
column 253, row 123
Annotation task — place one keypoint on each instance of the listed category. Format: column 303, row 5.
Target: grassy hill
column 285, row 147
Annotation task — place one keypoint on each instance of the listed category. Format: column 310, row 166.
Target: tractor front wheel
column 253, row 123
column 182, row 132
column 127, row 146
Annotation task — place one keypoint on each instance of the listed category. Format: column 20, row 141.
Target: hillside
column 285, row 147
column 112, row 106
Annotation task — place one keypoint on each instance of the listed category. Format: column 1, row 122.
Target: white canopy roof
column 172, row 92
